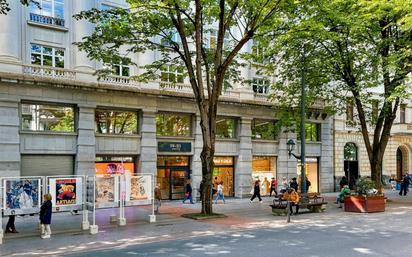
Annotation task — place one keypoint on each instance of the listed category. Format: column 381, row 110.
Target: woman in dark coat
column 45, row 216
column 256, row 191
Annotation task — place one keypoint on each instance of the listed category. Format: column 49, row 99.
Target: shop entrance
column 224, row 172
column 350, row 165
column 172, row 174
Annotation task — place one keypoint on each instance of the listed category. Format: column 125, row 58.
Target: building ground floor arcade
column 48, row 129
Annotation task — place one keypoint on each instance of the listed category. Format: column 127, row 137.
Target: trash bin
column 398, row 186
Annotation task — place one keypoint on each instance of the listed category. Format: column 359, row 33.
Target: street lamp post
column 291, row 144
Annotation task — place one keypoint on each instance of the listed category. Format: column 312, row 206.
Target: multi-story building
column 57, row 118
column 350, row 155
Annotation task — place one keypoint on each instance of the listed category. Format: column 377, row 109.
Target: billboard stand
column 85, row 222
column 152, row 217
column 94, row 229
column 122, row 218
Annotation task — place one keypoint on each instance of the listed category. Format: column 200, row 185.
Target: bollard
column 94, row 229
column 1, row 236
column 288, row 212
column 152, row 218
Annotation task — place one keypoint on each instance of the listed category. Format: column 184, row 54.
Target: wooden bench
column 316, row 204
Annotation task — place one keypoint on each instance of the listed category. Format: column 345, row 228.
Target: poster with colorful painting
column 66, row 191
column 21, row 196
column 107, row 188
column 139, row 189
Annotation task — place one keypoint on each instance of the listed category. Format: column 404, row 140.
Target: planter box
column 364, row 204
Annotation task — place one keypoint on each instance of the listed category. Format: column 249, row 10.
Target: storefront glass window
column 224, row 172
column 264, row 129
column 173, row 125
column 172, row 175
column 112, row 165
column 264, row 169
column 116, row 122
column 225, row 127
column 311, row 172
column 47, row 117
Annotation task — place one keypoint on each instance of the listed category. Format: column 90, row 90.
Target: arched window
column 350, row 152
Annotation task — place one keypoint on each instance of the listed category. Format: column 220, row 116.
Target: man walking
column 405, row 184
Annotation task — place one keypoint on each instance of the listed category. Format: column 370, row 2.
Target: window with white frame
column 260, row 86
column 47, row 56
column 50, row 8
column 172, row 74
column 121, row 70
column 211, row 41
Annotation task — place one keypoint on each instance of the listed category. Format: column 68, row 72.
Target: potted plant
column 366, row 198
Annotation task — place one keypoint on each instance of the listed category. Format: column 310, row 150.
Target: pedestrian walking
column 10, row 227
column 45, row 216
column 188, row 193
column 158, row 198
column 220, row 193
column 405, row 184
column 308, row 184
column 273, row 186
column 256, row 191
column 284, row 185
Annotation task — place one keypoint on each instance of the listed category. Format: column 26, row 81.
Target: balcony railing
column 50, row 72
column 46, row 20
column 119, row 80
column 176, row 87
column 261, row 96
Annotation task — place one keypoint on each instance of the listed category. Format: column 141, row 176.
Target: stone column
column 243, row 168
column 86, row 142
column 148, row 156
column 326, row 177
column 196, row 162
column 286, row 166
column 9, row 138
column 82, row 28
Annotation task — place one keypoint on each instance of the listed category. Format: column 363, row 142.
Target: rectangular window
column 47, row 117
column 173, row 125
column 116, row 122
column 402, row 117
column 264, row 129
column 121, row 70
column 260, row 86
column 349, row 111
column 211, row 42
column 312, row 132
column 375, row 110
column 172, row 74
column 112, row 165
column 47, row 56
column 47, row 12
column 225, row 127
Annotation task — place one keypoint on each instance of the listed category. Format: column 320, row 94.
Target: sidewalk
column 242, row 215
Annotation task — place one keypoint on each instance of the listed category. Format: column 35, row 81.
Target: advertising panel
column 107, row 191
column 21, row 196
column 139, row 189
column 66, row 191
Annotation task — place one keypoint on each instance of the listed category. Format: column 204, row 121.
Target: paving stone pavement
column 242, row 215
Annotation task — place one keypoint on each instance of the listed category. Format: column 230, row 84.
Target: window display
column 264, row 169
column 112, row 165
column 224, row 172
column 311, row 172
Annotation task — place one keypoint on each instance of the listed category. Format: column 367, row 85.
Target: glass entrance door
column 178, row 177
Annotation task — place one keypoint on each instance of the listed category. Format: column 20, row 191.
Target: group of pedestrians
column 45, row 218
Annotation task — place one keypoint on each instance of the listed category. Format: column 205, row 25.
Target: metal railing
column 46, row 20
column 50, row 72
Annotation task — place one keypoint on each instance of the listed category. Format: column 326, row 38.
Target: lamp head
column 291, row 146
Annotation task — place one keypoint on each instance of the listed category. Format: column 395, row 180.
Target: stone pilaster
column 286, row 165
column 243, row 168
column 326, row 160
column 9, row 138
column 86, row 142
column 148, row 156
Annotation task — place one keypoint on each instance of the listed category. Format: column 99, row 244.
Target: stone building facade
column 51, row 109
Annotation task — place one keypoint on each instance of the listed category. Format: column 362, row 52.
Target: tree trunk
column 376, row 171
column 207, row 167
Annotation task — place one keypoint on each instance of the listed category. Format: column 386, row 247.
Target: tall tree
column 4, row 5
column 356, row 50
column 179, row 30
